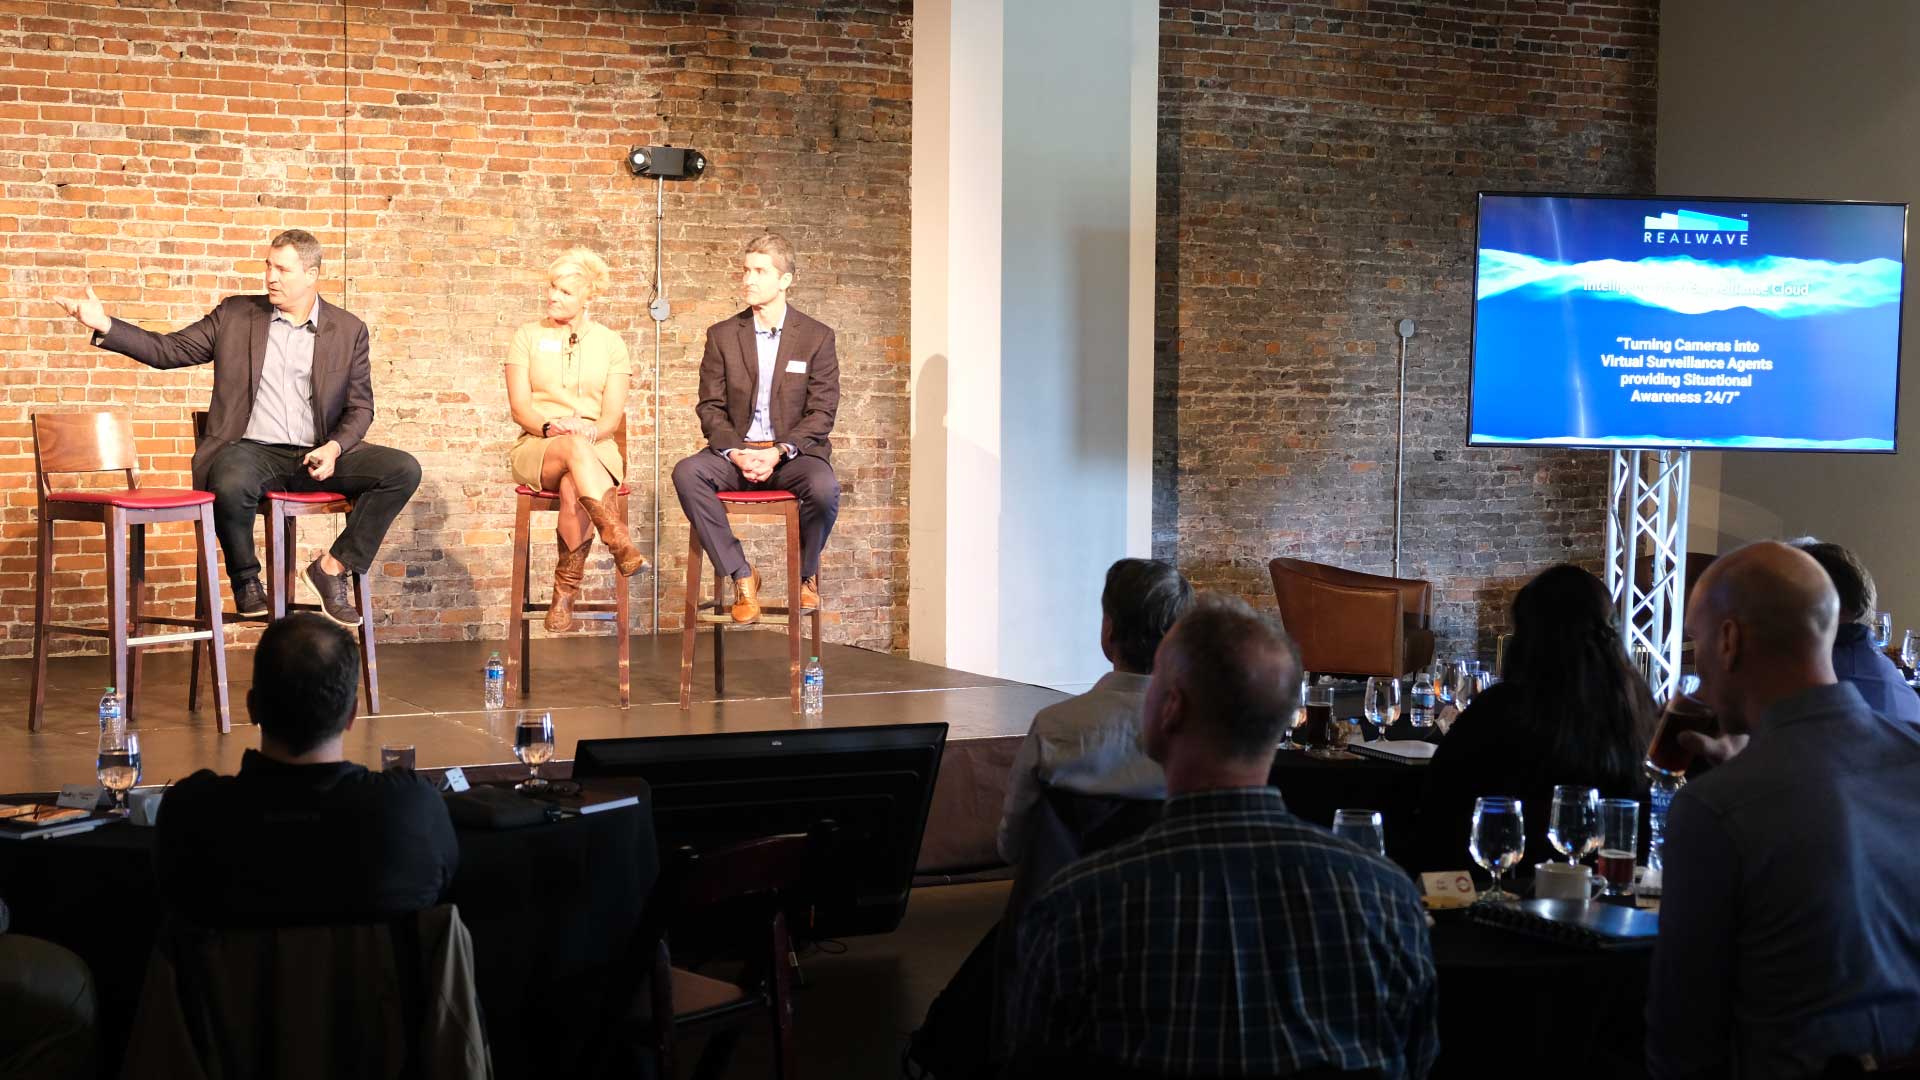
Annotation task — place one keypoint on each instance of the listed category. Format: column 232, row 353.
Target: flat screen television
column 866, row 790
column 1688, row 323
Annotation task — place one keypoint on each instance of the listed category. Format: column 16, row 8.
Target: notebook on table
column 43, row 821
column 1399, row 751
column 1574, row 922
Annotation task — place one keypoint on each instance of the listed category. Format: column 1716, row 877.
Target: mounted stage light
column 666, row 162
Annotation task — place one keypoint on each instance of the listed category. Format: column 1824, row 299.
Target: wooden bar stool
column 781, row 506
column 103, row 442
column 283, row 510
column 520, row 595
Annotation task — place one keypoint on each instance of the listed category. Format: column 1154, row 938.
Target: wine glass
column 1573, row 824
column 1499, row 839
column 1382, row 703
column 1909, row 650
column 1363, row 828
column 118, row 766
column 533, row 745
column 1447, row 680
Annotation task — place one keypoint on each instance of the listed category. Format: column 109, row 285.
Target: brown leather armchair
column 1349, row 623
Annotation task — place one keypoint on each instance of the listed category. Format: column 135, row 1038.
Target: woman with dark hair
column 1569, row 709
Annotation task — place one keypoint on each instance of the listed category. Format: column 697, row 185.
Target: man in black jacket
column 302, row 835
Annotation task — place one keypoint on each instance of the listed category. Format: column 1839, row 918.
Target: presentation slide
column 1708, row 324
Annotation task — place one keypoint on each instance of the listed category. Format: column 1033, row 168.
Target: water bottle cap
column 110, row 690
column 815, row 659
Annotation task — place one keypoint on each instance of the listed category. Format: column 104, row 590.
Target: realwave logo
column 1694, row 228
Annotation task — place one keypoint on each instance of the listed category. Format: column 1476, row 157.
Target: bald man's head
column 1762, row 621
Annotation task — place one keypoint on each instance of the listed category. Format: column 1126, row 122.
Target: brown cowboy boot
column 613, row 533
column 568, row 568
column 746, row 598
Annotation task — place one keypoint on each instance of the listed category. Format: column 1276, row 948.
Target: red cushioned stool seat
column 315, row 497
column 137, row 498
column 522, row 489
column 755, row 496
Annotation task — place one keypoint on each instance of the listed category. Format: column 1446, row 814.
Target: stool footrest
column 767, row 618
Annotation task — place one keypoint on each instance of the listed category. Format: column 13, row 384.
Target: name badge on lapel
column 796, row 367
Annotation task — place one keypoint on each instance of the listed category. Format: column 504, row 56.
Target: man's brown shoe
column 809, row 592
column 746, row 598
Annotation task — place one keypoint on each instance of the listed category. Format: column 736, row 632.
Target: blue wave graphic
column 1786, row 288
column 1734, row 442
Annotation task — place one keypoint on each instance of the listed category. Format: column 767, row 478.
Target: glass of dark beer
column 1619, row 844
column 1666, row 754
column 1322, row 740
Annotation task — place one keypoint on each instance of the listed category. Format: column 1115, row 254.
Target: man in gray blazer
column 769, row 388
column 292, row 401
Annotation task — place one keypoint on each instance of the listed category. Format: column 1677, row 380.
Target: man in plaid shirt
column 1231, row 939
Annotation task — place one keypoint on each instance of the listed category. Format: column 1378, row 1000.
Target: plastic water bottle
column 496, row 683
column 1660, row 792
column 1420, row 715
column 109, row 709
column 813, row 690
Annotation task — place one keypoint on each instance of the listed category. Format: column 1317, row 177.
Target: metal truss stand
column 1647, row 518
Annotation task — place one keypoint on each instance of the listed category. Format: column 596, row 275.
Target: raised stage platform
column 430, row 696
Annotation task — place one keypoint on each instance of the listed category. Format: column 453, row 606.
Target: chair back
column 1350, row 623
column 68, row 443
column 762, row 866
column 390, row 998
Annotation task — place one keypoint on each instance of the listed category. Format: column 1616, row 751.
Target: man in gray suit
column 292, row 401
column 769, row 388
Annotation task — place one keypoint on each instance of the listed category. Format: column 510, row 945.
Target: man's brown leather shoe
column 809, row 592
column 746, row 598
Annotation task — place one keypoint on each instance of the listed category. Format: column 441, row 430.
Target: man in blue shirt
column 1789, row 929
column 769, row 391
column 1231, row 939
column 1856, row 659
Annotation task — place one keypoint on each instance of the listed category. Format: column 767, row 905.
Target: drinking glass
column 1323, row 740
column 1290, row 739
column 1573, row 824
column 118, row 766
column 1451, row 676
column 1882, row 629
column 1382, row 703
column 1909, row 651
column 533, row 745
column 1619, row 843
column 1666, row 755
column 1499, row 839
column 396, row 756
column 1471, row 683
column 1363, row 828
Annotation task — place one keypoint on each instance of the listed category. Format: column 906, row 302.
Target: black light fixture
column 666, row 162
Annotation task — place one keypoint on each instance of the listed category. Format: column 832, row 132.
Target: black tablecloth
column 1513, row 1005
column 1315, row 787
column 553, row 909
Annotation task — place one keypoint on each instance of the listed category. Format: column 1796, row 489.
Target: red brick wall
column 1319, row 166
column 444, row 153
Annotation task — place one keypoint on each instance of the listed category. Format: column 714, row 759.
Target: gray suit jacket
column 233, row 336
column 802, row 405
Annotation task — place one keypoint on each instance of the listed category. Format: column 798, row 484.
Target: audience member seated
column 46, row 1010
column 1569, row 709
column 1855, row 659
column 1232, row 938
column 1788, row 927
column 1090, row 744
column 302, row 835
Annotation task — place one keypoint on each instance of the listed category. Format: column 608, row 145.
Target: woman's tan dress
column 566, row 379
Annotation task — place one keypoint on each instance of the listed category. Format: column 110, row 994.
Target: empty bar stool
column 72, row 443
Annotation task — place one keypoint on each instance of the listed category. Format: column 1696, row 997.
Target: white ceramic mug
column 1564, row 881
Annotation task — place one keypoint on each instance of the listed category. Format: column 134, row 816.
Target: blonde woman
column 567, row 387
